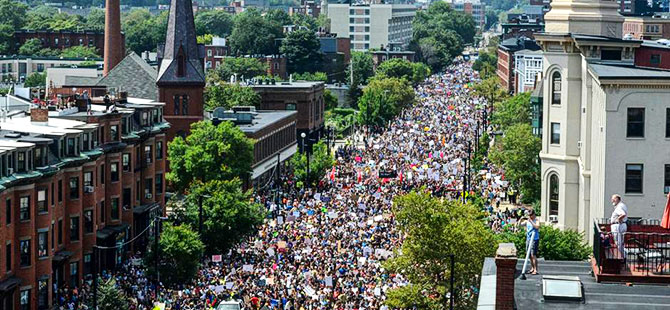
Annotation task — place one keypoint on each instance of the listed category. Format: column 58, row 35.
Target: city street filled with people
column 323, row 248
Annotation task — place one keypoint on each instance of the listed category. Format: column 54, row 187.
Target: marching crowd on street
column 323, row 248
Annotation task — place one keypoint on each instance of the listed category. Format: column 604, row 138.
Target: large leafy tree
column 306, row 21
column 180, row 253
column 486, row 64
column 439, row 34
column 320, row 162
column 254, row 34
column 30, row 47
column 36, row 80
column 144, row 31
column 403, row 69
column 96, row 20
column 13, row 13
column 210, row 152
column 229, row 95
column 383, row 99
column 215, row 22
column 491, row 90
column 301, row 48
column 362, row 68
column 80, row 51
column 517, row 154
column 243, row 67
column 514, row 110
column 279, row 16
column 110, row 296
column 435, row 229
column 229, row 216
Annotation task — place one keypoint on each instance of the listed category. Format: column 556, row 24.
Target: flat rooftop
column 294, row 84
column 264, row 119
column 617, row 71
column 597, row 296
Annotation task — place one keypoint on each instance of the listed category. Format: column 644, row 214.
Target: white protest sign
column 248, row 268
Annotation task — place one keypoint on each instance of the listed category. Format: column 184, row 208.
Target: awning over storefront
column 109, row 231
column 8, row 285
column 61, row 256
column 145, row 208
column 271, row 162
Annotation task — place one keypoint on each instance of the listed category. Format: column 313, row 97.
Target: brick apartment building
column 65, row 38
column 304, row 97
column 71, row 179
column 274, row 135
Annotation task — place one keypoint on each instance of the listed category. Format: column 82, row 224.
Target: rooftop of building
column 263, row 119
column 605, row 70
column 54, row 58
column 519, row 43
column 289, row 85
column 528, row 294
column 85, row 31
column 662, row 43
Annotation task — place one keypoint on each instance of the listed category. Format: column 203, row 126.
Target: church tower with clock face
column 181, row 76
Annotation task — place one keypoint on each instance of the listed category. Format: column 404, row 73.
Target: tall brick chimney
column 505, row 270
column 113, row 42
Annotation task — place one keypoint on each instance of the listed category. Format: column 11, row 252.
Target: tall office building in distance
column 373, row 25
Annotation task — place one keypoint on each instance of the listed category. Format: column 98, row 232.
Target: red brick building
column 64, row 39
column 653, row 55
column 72, row 179
column 506, row 50
column 181, row 74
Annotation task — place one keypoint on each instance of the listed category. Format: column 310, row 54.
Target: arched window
column 556, row 88
column 553, row 195
column 184, row 105
column 176, row 105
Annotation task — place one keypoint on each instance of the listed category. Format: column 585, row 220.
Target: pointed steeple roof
column 181, row 56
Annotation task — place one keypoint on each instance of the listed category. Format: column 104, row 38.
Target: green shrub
column 555, row 244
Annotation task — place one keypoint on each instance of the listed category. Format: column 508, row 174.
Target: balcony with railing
column 644, row 258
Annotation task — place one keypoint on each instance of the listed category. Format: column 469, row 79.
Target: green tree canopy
column 302, row 50
column 228, row 213
column 110, row 296
column 210, row 152
column 434, row 230
column 215, row 22
column 30, row 47
column 517, row 154
column 439, row 34
column 486, row 64
column 180, row 252
column 80, row 51
column 304, row 20
column 279, row 16
column 95, row 20
column 144, row 31
column 308, row 76
column 383, row 99
column 244, row 67
column 330, row 100
column 320, row 162
column 362, row 67
column 514, row 110
column 229, row 95
column 13, row 13
column 491, row 90
column 403, row 69
column 36, row 79
column 254, row 34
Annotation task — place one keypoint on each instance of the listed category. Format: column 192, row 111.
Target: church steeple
column 181, row 56
column 181, row 74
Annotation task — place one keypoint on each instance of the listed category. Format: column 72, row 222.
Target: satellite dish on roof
column 218, row 112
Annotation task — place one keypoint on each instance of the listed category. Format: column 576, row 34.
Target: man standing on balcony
column 618, row 220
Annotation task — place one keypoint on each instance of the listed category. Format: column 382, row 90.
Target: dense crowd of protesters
column 323, row 248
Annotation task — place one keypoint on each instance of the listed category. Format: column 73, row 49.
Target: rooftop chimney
column 505, row 270
column 113, row 44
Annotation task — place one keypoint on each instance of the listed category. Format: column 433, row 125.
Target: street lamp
column 303, row 136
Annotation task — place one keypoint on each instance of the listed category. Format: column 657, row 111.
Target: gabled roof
column 180, row 39
column 73, row 80
column 133, row 75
